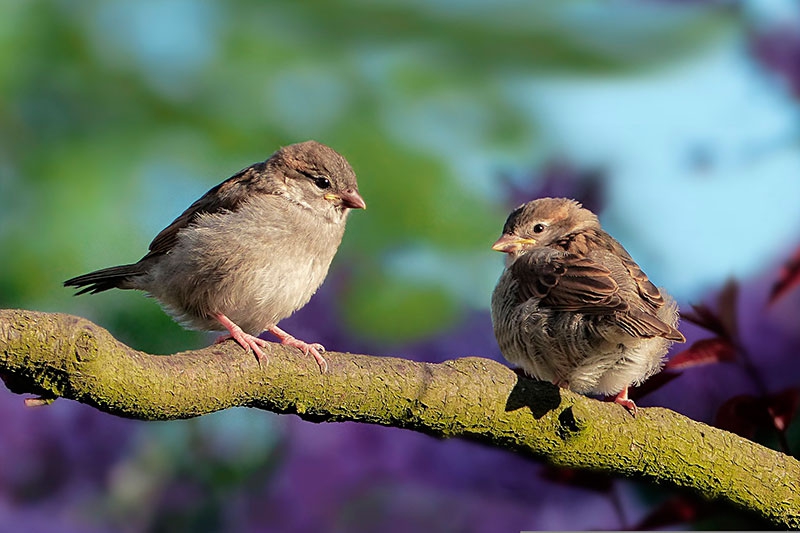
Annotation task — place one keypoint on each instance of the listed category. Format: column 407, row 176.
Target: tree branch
column 57, row 355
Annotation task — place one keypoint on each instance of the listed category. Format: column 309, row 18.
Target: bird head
column 541, row 223
column 318, row 177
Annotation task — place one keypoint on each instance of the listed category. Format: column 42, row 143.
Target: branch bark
column 57, row 355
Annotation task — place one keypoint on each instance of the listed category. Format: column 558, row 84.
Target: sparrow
column 249, row 252
column 573, row 308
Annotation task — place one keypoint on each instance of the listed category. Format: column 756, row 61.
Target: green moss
column 470, row 398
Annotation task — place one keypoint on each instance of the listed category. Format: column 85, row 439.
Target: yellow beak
column 510, row 243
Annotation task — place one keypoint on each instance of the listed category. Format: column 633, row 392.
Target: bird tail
column 117, row 277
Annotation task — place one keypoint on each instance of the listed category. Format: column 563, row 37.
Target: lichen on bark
column 56, row 355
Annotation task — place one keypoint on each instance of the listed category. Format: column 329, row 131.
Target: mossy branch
column 57, row 355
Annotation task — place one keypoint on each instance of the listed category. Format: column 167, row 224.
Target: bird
column 251, row 251
column 572, row 307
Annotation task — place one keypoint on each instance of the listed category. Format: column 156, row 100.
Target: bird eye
column 322, row 182
column 538, row 228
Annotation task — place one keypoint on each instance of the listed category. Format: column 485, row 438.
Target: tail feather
column 107, row 278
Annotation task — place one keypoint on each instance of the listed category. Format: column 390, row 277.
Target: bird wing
column 646, row 288
column 567, row 283
column 227, row 196
column 570, row 282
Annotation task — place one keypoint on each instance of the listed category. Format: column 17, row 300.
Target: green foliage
column 389, row 310
column 112, row 112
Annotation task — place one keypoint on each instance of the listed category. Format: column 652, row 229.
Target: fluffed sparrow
column 572, row 307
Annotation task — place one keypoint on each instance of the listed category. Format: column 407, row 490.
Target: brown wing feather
column 647, row 289
column 642, row 320
column 579, row 284
column 600, row 239
column 226, row 196
column 643, row 323
column 568, row 283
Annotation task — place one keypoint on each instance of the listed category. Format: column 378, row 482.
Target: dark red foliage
column 723, row 321
column 743, row 415
column 703, row 352
column 788, row 278
column 704, row 317
column 584, row 479
column 782, row 407
column 678, row 510
column 652, row 384
column 727, row 303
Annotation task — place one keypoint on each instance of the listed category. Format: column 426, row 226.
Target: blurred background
column 677, row 121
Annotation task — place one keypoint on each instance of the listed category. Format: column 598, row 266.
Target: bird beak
column 510, row 243
column 348, row 198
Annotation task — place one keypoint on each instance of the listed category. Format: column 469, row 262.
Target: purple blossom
column 557, row 178
column 779, row 50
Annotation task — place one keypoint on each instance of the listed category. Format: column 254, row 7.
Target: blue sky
column 702, row 162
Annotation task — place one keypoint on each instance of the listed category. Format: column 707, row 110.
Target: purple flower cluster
column 55, row 462
column 779, row 50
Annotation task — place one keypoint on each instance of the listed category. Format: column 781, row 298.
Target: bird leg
column 307, row 348
column 622, row 399
column 561, row 383
column 247, row 341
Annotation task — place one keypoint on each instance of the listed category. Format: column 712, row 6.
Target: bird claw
column 251, row 342
column 248, row 342
column 624, row 401
column 315, row 349
column 245, row 340
column 561, row 383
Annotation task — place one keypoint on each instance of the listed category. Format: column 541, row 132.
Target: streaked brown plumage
column 249, row 252
column 572, row 307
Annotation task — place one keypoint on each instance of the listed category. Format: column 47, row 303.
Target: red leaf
column 742, row 415
column 652, row 384
column 585, row 479
column 703, row 352
column 783, row 406
column 787, row 279
column 678, row 510
column 706, row 319
column 726, row 307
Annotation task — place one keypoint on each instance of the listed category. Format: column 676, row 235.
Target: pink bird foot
column 245, row 340
column 561, row 383
column 624, row 401
column 314, row 349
